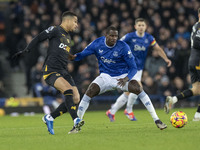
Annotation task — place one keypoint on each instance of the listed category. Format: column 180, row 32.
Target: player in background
column 194, row 71
column 117, row 67
column 139, row 43
column 55, row 68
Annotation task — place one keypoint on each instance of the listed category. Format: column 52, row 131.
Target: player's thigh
column 62, row 85
column 195, row 79
column 76, row 95
column 98, row 86
column 195, row 88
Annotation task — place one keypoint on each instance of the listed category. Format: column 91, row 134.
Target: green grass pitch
column 98, row 133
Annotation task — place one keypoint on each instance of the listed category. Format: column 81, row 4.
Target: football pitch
column 98, row 133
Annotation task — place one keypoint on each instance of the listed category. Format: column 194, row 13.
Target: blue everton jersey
column 139, row 46
column 115, row 60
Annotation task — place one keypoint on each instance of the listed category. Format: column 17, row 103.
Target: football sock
column 61, row 109
column 185, row 94
column 121, row 101
column 149, row 106
column 131, row 100
column 198, row 109
column 69, row 103
column 83, row 106
column 49, row 117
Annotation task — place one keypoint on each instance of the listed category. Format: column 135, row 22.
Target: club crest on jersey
column 100, row 51
column 115, row 53
column 146, row 41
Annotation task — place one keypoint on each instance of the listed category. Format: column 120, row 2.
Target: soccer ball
column 178, row 119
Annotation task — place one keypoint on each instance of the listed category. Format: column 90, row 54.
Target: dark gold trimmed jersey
column 59, row 47
column 195, row 44
column 195, row 36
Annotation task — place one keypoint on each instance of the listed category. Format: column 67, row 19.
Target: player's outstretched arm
column 39, row 38
column 162, row 54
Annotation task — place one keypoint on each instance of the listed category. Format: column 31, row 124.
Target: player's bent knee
column 93, row 90
column 134, row 87
column 76, row 99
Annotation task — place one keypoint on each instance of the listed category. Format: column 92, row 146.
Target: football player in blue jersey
column 139, row 43
column 117, row 67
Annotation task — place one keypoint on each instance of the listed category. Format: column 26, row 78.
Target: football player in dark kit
column 55, row 68
column 194, row 70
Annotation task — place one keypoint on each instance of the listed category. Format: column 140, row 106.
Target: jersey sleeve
column 152, row 41
column 130, row 60
column 195, row 40
column 125, row 38
column 46, row 34
column 89, row 50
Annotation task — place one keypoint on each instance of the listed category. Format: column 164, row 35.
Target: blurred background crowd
column 169, row 21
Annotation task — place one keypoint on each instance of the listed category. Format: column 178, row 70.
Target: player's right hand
column 20, row 53
column 71, row 57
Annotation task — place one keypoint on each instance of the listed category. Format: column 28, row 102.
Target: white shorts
column 108, row 83
column 138, row 75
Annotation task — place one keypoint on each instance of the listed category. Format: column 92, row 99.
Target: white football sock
column 49, row 117
column 121, row 101
column 197, row 115
column 174, row 99
column 83, row 106
column 148, row 104
column 131, row 100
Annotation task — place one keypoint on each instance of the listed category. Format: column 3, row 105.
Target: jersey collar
column 63, row 28
column 138, row 35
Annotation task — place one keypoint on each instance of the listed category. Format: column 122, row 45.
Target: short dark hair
column 68, row 13
column 199, row 11
column 111, row 28
column 140, row 20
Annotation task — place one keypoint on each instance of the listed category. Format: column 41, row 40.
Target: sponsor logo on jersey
column 139, row 48
column 107, row 60
column 65, row 47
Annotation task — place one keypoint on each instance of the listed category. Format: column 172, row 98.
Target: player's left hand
column 20, row 53
column 169, row 63
column 122, row 81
